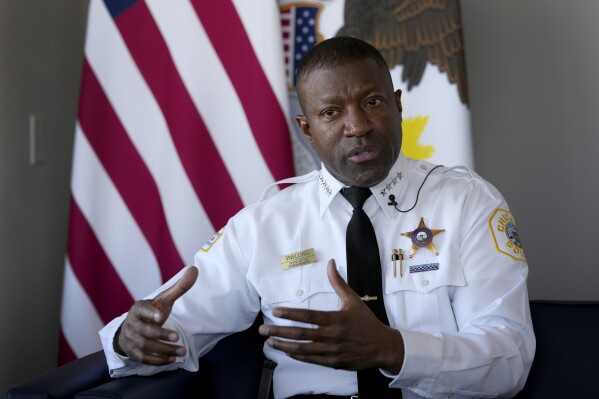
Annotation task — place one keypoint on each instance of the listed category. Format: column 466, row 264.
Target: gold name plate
column 297, row 259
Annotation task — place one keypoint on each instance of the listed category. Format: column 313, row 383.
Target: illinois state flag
column 422, row 43
column 182, row 122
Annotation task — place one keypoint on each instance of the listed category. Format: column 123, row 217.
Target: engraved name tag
column 299, row 258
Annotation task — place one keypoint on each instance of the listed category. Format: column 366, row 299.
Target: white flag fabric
column 182, row 122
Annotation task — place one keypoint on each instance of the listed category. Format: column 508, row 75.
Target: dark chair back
column 231, row 370
column 566, row 363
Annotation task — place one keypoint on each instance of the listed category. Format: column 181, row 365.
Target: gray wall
column 533, row 69
column 41, row 45
column 533, row 85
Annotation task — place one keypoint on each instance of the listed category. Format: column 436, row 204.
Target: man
column 450, row 317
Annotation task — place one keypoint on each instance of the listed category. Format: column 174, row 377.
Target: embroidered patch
column 505, row 234
column 424, row 268
column 206, row 247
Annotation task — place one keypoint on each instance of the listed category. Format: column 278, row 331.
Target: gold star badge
column 422, row 237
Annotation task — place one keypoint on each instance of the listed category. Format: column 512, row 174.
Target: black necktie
column 365, row 278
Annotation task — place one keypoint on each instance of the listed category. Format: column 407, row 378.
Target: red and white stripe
column 288, row 28
column 182, row 122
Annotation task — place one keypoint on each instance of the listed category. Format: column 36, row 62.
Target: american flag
column 182, row 122
column 299, row 36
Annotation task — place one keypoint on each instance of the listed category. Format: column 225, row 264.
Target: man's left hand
column 351, row 338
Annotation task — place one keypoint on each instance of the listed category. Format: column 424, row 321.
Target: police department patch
column 206, row 247
column 505, row 234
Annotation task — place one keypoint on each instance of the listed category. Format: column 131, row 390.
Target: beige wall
column 532, row 67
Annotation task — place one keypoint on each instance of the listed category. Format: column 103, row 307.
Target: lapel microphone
column 393, row 203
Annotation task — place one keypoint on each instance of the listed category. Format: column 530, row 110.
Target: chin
column 368, row 178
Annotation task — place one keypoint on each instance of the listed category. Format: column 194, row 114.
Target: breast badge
column 505, row 234
column 422, row 237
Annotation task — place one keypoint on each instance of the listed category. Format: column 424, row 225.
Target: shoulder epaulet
column 462, row 168
column 291, row 180
column 471, row 174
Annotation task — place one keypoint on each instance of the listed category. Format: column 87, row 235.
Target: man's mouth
column 363, row 154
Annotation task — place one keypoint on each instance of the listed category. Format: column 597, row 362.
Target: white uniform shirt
column 463, row 313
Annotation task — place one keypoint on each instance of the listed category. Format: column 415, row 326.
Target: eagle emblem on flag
column 412, row 33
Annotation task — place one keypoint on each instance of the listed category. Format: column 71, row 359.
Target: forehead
column 350, row 78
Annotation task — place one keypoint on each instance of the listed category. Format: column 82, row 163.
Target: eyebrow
column 362, row 94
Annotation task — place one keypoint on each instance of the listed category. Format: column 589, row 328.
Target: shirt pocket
column 305, row 287
column 423, row 274
column 421, row 297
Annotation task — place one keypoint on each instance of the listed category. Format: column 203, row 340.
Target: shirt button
column 424, row 283
column 423, row 167
column 299, row 292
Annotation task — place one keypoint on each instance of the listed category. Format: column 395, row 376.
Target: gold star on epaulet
column 422, row 237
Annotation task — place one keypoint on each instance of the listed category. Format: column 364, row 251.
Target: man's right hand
column 141, row 336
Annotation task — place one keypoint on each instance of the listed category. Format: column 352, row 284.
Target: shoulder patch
column 206, row 247
column 505, row 234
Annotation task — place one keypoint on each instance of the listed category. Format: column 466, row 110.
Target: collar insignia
column 391, row 183
column 324, row 186
column 422, row 237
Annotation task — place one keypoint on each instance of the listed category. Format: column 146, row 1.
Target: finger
column 314, row 317
column 164, row 349
column 137, row 333
column 297, row 333
column 146, row 311
column 322, row 360
column 153, row 359
column 330, row 355
column 174, row 292
column 154, row 332
column 296, row 347
column 149, row 339
column 339, row 285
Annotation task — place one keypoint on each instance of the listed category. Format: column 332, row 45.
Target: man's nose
column 357, row 122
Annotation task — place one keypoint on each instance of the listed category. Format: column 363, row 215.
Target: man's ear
column 398, row 100
column 304, row 126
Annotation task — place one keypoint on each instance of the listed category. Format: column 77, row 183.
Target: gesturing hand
column 351, row 338
column 141, row 336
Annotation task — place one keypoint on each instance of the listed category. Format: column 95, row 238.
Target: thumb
column 174, row 292
column 339, row 285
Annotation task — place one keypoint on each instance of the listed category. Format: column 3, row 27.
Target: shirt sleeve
column 221, row 302
column 492, row 350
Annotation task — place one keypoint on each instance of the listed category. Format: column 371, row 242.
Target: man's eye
column 328, row 112
column 373, row 102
